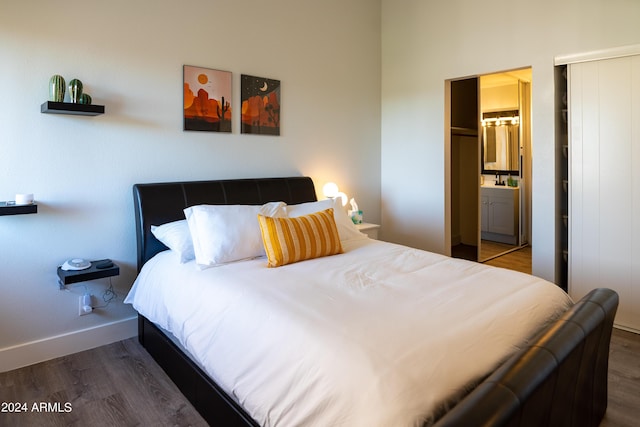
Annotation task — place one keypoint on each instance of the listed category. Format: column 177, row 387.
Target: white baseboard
column 32, row 352
column 626, row 328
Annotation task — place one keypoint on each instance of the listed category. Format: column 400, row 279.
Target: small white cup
column 24, row 199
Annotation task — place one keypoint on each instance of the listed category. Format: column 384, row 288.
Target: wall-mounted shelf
column 70, row 108
column 10, row 208
column 74, row 276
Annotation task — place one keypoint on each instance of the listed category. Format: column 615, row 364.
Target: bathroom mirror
column 500, row 142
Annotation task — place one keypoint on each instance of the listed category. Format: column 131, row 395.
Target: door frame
column 526, row 205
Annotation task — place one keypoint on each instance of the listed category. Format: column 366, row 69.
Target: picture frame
column 207, row 100
column 261, row 100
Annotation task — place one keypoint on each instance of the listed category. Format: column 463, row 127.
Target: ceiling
column 505, row 78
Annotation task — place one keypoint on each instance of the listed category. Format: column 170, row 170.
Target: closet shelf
column 464, row 131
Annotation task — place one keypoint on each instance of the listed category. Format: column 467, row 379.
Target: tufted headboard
column 159, row 203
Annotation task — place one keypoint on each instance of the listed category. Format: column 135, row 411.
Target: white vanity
column 500, row 213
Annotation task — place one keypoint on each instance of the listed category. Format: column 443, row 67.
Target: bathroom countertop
column 499, row 187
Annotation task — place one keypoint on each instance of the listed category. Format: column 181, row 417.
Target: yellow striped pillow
column 289, row 240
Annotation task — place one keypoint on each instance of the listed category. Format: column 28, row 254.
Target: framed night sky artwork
column 207, row 99
column 260, row 105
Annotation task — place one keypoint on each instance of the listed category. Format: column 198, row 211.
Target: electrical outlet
column 84, row 305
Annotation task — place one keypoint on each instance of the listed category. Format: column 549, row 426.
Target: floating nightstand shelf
column 52, row 107
column 96, row 271
column 10, row 208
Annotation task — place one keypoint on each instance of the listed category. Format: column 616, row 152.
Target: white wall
column 426, row 42
column 130, row 56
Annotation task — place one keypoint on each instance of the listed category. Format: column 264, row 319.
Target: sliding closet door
column 604, row 181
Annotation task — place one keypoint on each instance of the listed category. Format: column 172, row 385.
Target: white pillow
column 177, row 237
column 227, row 233
column 346, row 228
column 309, row 207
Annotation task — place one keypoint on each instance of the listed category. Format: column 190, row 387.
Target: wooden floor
column 624, row 381
column 114, row 385
column 120, row 385
column 519, row 260
column 513, row 258
column 490, row 249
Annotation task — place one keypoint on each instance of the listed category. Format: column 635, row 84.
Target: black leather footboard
column 560, row 380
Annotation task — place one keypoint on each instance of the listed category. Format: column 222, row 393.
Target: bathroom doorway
column 489, row 138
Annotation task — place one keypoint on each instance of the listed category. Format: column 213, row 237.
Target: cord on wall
column 108, row 296
column 87, row 303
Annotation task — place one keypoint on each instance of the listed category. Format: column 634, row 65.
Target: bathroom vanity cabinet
column 500, row 214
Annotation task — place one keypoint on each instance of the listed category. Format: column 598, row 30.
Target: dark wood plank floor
column 120, row 385
column 114, row 385
column 624, row 381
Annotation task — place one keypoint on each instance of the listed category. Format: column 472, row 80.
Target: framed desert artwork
column 207, row 99
column 260, row 105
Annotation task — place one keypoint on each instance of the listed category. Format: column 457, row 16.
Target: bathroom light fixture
column 331, row 191
column 498, row 121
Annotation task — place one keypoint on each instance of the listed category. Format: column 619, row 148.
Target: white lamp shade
column 330, row 190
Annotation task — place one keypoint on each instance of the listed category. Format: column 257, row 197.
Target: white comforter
column 382, row 335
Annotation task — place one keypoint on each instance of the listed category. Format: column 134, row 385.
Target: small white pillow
column 227, row 233
column 346, row 228
column 177, row 237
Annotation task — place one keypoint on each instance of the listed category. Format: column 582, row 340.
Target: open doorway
column 489, row 151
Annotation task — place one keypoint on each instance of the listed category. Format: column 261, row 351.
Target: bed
column 555, row 375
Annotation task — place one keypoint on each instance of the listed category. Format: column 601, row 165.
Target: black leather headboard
column 159, row 203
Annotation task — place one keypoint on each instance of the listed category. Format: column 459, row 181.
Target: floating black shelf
column 10, row 208
column 70, row 108
column 74, row 276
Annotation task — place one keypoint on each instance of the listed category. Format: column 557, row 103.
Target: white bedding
column 382, row 335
